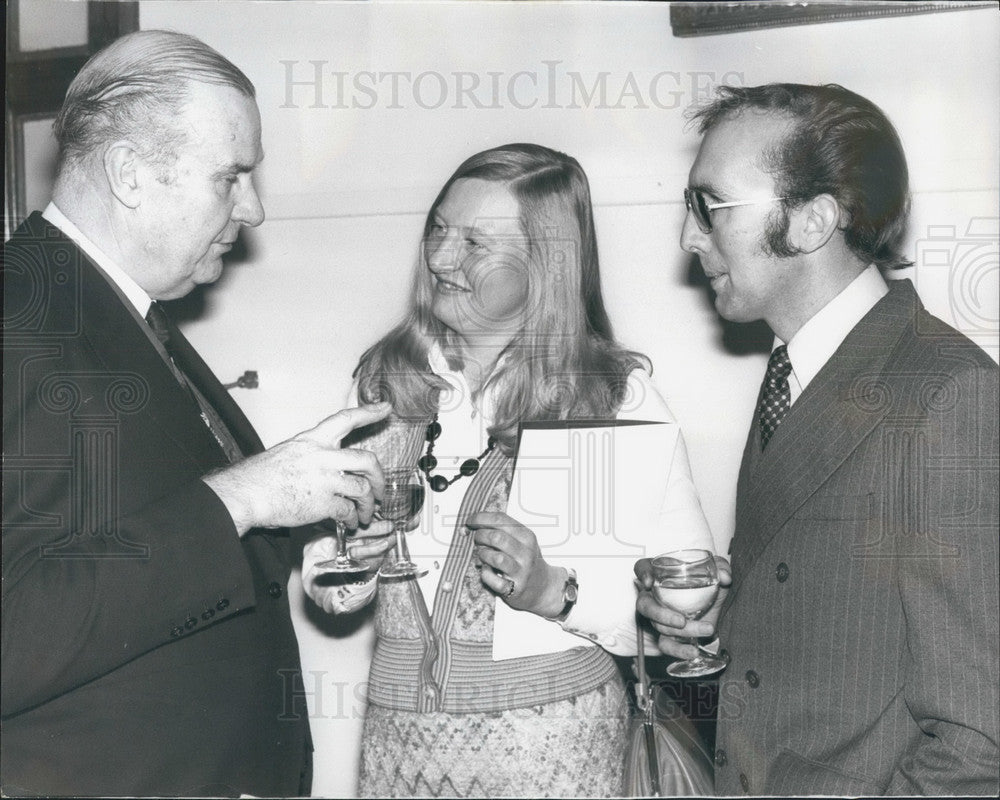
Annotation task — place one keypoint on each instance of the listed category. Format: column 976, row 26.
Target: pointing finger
column 334, row 428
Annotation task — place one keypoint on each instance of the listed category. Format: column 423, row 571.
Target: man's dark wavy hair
column 840, row 144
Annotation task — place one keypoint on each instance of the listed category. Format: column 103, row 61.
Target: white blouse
column 605, row 610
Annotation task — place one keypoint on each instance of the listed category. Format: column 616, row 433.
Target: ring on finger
column 511, row 586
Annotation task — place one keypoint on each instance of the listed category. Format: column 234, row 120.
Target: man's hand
column 672, row 625
column 306, row 478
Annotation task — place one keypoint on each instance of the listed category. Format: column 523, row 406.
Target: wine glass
column 401, row 502
column 688, row 582
column 342, row 562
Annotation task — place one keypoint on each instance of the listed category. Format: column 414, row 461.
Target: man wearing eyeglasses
column 861, row 622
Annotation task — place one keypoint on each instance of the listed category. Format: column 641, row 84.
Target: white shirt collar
column 135, row 294
column 816, row 341
column 460, row 392
column 437, row 362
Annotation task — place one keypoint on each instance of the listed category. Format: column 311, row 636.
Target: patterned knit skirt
column 570, row 748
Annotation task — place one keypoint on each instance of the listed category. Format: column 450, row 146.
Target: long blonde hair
column 563, row 363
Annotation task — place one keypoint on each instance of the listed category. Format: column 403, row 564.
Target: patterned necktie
column 777, row 398
column 159, row 322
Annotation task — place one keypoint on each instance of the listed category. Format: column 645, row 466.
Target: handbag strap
column 643, row 694
column 644, row 700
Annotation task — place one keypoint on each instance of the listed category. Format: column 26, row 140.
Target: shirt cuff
column 605, row 608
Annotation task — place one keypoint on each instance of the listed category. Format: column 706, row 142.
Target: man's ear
column 812, row 224
column 123, row 169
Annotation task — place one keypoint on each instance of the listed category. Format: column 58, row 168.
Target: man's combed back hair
column 133, row 90
column 840, row 144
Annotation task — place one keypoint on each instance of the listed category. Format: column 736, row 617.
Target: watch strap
column 571, row 590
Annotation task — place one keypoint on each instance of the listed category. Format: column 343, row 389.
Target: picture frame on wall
column 706, row 18
column 48, row 41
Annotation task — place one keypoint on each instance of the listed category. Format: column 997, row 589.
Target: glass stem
column 341, row 543
column 402, row 551
column 700, row 657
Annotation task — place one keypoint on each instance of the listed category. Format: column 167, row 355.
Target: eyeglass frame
column 705, row 224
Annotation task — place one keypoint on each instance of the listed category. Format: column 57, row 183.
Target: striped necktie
column 163, row 329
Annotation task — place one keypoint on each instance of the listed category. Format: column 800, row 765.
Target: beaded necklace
column 428, row 462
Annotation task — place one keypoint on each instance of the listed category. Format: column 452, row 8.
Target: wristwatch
column 571, row 590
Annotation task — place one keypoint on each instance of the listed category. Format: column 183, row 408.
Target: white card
column 592, row 493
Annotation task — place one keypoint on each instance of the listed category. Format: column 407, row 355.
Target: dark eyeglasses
column 696, row 203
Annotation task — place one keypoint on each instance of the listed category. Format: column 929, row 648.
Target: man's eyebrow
column 706, row 188
column 239, row 167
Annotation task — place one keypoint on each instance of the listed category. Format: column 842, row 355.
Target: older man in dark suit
column 861, row 623
column 147, row 642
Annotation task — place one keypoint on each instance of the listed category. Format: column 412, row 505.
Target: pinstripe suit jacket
column 862, row 621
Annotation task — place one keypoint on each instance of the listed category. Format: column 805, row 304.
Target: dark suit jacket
column 862, row 622
column 147, row 650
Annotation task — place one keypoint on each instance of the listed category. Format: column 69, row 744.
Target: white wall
column 346, row 188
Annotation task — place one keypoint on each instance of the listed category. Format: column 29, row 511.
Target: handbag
column 664, row 755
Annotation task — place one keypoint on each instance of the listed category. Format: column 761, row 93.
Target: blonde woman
column 507, row 324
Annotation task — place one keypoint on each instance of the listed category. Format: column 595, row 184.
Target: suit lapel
column 119, row 340
column 748, row 464
column 839, row 408
column 232, row 415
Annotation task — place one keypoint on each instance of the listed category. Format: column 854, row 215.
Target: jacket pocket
column 791, row 774
column 837, row 507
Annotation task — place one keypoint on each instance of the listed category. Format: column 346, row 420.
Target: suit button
column 177, row 631
column 720, row 758
column 753, row 679
column 222, row 605
column 782, row 572
column 745, row 783
column 190, row 622
column 274, row 589
column 208, row 613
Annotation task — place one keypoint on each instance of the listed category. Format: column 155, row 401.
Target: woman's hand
column 343, row 593
column 513, row 566
column 369, row 543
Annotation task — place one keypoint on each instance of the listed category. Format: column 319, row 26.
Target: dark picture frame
column 36, row 85
column 704, row 19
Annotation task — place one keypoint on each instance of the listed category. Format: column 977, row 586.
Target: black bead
column 438, row 483
column 433, row 431
column 427, row 462
column 490, row 444
column 469, row 467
